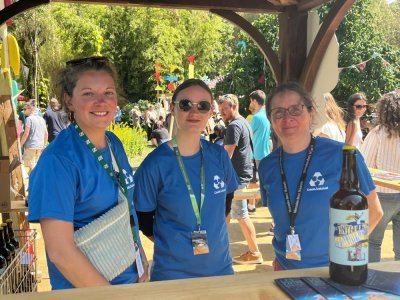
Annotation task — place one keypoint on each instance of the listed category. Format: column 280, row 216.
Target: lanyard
column 113, row 171
column 292, row 211
column 195, row 206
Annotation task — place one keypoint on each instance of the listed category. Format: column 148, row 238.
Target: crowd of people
column 182, row 196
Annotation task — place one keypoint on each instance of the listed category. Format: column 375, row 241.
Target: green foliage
column 43, row 92
column 133, row 139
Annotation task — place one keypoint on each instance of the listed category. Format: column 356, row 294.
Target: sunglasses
column 186, row 105
column 359, row 107
column 293, row 110
column 91, row 59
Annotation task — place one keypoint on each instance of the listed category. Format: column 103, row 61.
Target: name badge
column 200, row 242
column 139, row 263
column 293, row 247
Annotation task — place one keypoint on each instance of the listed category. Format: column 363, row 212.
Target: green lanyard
column 195, row 206
column 110, row 170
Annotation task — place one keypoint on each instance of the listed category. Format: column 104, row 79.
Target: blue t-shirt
column 69, row 184
column 160, row 187
column 312, row 221
column 261, row 132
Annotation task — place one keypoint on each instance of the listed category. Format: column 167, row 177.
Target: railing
column 20, row 276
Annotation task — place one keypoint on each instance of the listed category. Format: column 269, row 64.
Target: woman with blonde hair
column 334, row 128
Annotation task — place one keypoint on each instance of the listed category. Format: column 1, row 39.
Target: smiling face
column 191, row 121
column 93, row 101
column 290, row 128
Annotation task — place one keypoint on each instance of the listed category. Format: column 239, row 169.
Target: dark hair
column 259, row 96
column 68, row 77
column 191, row 82
column 294, row 87
column 219, row 131
column 389, row 113
column 350, row 116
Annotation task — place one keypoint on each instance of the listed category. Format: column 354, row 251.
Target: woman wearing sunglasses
column 298, row 179
column 81, row 176
column 356, row 107
column 180, row 191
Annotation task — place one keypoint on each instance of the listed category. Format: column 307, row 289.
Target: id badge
column 293, row 247
column 200, row 242
column 139, row 263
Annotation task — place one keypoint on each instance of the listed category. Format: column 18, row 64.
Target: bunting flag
column 190, row 59
column 213, row 82
column 362, row 65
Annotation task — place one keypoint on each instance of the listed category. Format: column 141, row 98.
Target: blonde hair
column 333, row 112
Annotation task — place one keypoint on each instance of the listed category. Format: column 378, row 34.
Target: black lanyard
column 292, row 211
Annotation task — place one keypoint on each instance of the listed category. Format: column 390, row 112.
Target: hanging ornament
column 171, row 86
column 158, row 72
column 261, row 79
column 191, row 58
column 361, row 66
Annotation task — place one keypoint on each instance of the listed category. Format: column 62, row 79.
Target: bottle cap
column 349, row 147
column 8, row 221
column 3, row 224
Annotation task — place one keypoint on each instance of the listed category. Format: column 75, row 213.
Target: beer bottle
column 9, row 245
column 348, row 226
column 3, row 249
column 11, row 234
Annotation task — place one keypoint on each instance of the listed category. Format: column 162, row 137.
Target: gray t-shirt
column 37, row 131
column 238, row 133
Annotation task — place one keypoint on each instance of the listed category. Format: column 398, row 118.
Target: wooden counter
column 241, row 286
column 379, row 179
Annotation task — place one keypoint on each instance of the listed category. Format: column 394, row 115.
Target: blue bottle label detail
column 348, row 237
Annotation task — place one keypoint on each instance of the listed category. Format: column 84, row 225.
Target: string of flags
column 361, row 66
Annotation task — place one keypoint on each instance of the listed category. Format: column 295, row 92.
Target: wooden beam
column 253, row 6
column 257, row 37
column 309, row 4
column 19, row 7
column 322, row 40
column 292, row 43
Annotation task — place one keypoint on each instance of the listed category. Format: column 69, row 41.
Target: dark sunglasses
column 360, row 106
column 81, row 61
column 186, row 105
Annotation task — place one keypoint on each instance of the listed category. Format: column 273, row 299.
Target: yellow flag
column 191, row 71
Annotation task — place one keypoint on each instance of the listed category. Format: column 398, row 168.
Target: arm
column 350, row 133
column 375, row 210
column 25, row 136
column 69, row 260
column 46, row 135
column 145, row 276
column 230, row 149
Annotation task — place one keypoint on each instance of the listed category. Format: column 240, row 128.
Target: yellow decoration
column 13, row 55
column 172, row 68
column 191, row 71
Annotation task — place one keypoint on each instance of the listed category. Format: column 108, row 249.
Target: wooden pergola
column 292, row 62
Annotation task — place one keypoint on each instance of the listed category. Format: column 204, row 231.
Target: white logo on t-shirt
column 128, row 179
column 317, row 182
column 219, row 185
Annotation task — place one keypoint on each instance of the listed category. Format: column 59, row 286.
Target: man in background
column 261, row 132
column 56, row 119
column 237, row 144
column 34, row 138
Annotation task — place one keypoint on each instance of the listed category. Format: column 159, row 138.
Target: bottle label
column 348, row 237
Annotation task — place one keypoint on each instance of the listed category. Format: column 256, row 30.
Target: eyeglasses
column 186, row 105
column 293, row 110
column 359, row 107
column 81, row 61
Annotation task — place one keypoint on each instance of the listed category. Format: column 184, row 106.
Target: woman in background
column 334, row 128
column 381, row 150
column 356, row 107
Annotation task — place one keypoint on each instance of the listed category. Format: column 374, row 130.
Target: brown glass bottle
column 3, row 249
column 9, row 245
column 348, row 226
column 11, row 234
